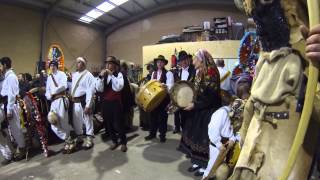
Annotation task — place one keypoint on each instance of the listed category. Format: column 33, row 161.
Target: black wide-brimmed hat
column 112, row 59
column 161, row 58
column 182, row 56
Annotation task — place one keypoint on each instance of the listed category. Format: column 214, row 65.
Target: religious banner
column 55, row 54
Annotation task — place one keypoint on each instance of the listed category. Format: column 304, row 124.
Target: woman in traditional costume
column 195, row 141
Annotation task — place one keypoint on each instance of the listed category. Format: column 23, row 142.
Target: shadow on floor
column 109, row 160
column 162, row 152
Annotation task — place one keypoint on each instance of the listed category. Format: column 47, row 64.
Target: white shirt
column 117, row 83
column 185, row 74
column 170, row 78
column 220, row 126
column 225, row 85
column 62, row 82
column 86, row 86
column 10, row 88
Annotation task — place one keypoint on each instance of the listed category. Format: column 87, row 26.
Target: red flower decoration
column 237, row 70
column 211, row 72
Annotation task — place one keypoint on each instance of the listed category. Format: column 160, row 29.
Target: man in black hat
column 111, row 83
column 185, row 73
column 159, row 115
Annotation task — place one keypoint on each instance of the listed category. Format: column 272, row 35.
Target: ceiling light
column 86, row 19
column 118, row 2
column 94, row 13
column 105, row 7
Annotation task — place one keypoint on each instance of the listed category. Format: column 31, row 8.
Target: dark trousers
column 179, row 119
column 113, row 121
column 159, row 119
column 145, row 118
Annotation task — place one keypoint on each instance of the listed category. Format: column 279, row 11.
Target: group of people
column 64, row 104
column 264, row 104
column 192, row 122
column 259, row 114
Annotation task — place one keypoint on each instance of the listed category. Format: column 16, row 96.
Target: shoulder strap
column 77, row 84
column 54, row 80
column 225, row 77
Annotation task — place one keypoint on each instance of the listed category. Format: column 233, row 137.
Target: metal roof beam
column 138, row 4
column 157, row 2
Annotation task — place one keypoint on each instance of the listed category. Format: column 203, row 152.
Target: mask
column 272, row 26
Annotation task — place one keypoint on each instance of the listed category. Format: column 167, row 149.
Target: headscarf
column 238, row 79
column 236, row 113
column 81, row 59
column 209, row 75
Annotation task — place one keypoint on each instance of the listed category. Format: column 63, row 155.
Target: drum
column 233, row 155
column 182, row 94
column 151, row 95
column 134, row 88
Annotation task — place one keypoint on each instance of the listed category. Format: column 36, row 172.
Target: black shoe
column 124, row 148
column 6, row 162
column 163, row 140
column 176, row 131
column 113, row 146
column 198, row 174
column 20, row 154
column 193, row 169
column 150, row 137
column 105, row 136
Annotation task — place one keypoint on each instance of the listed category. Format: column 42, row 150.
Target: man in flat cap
column 111, row 83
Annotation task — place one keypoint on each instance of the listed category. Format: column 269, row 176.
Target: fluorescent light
column 94, row 13
column 118, row 2
column 105, row 6
column 86, row 19
column 100, row 10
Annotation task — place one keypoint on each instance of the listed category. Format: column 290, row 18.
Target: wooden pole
column 314, row 18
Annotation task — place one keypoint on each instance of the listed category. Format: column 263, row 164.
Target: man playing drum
column 159, row 114
column 186, row 73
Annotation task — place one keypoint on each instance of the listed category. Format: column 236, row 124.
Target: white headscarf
column 81, row 59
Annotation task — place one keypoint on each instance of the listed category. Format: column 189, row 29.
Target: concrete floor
column 143, row 161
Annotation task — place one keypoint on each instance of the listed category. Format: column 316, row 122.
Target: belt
column 3, row 99
column 224, row 140
column 277, row 115
column 211, row 143
column 59, row 95
column 77, row 99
